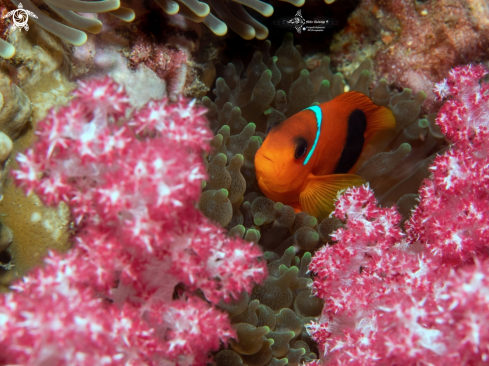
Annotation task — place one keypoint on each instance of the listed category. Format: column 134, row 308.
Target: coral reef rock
column 15, row 107
column 6, row 145
column 414, row 43
column 151, row 61
column 43, row 69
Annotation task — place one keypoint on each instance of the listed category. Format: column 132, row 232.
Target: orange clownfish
column 309, row 157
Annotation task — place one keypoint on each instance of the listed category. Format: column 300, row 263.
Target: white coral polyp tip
column 441, row 89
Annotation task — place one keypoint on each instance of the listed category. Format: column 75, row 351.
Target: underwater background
column 133, row 227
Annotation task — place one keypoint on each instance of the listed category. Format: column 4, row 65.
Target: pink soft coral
column 452, row 219
column 393, row 298
column 132, row 188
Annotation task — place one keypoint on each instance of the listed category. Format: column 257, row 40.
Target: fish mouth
column 269, row 173
column 267, row 166
column 265, row 157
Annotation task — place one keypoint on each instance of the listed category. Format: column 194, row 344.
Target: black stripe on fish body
column 357, row 124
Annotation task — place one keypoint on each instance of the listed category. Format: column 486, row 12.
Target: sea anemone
column 275, row 88
column 229, row 13
column 242, row 112
column 66, row 10
column 232, row 14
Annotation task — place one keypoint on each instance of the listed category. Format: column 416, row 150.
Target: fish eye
column 300, row 148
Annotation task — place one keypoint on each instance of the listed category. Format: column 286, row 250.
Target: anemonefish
column 306, row 159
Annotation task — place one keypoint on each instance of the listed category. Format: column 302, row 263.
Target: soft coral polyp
column 132, row 181
column 421, row 296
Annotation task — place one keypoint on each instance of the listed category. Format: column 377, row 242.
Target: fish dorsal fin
column 318, row 198
column 357, row 124
column 378, row 118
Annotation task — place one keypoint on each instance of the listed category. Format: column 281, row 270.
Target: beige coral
column 6, row 145
column 15, row 110
column 42, row 81
column 15, row 107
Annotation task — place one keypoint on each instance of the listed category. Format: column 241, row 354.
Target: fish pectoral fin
column 320, row 194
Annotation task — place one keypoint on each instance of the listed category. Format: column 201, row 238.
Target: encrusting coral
column 413, row 44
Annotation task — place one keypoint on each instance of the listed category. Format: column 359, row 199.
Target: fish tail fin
column 318, row 198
